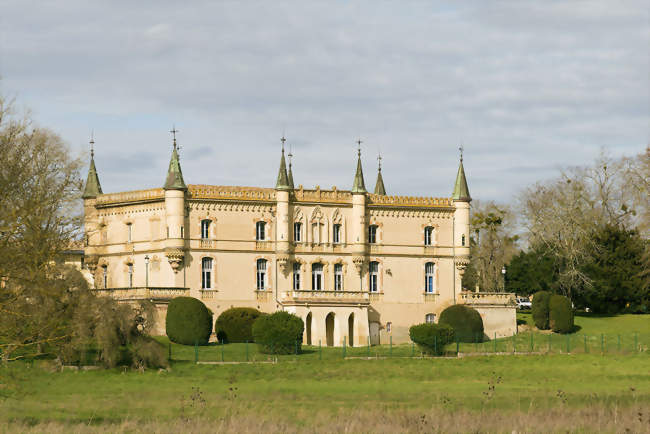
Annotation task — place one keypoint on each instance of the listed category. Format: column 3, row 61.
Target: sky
column 527, row 88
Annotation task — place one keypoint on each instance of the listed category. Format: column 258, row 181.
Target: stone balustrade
column 341, row 296
column 140, row 292
column 487, row 298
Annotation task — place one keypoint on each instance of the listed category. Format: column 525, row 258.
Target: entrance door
column 329, row 329
column 308, row 328
column 374, row 333
column 351, row 330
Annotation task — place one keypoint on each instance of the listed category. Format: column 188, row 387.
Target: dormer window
column 260, row 231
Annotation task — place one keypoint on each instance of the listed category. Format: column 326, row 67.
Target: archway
column 351, row 330
column 329, row 329
column 308, row 328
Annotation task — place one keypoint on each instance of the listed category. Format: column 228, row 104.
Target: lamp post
column 503, row 273
column 146, row 270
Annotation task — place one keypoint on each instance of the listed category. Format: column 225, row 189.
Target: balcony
column 207, row 244
column 264, row 245
column 141, row 293
column 208, row 294
column 326, row 297
column 263, row 296
column 488, row 298
column 375, row 297
column 430, row 297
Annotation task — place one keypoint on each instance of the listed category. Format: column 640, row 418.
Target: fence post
column 568, row 344
column 602, row 342
column 222, row 353
column 457, row 346
column 495, row 342
column 368, row 346
column 514, row 343
column 169, row 352
column 391, row 346
column 196, row 351
column 412, row 349
column 344, row 346
column 247, row 351
column 532, row 343
column 550, row 342
column 320, row 351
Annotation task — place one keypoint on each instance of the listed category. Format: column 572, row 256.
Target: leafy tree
column 530, row 272
column 618, row 272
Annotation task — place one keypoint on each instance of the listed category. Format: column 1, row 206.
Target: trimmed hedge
column 431, row 338
column 278, row 333
column 188, row 321
column 540, row 309
column 236, row 324
column 465, row 321
column 560, row 314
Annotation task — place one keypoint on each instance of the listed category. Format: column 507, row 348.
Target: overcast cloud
column 527, row 87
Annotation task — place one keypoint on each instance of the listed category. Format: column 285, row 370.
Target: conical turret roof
column 379, row 186
column 359, row 186
column 283, row 179
column 461, row 191
column 290, row 174
column 174, row 179
column 93, row 187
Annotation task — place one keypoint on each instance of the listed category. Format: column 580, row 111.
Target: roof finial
column 461, row 149
column 283, row 140
column 92, row 143
column 174, row 131
column 379, row 159
column 359, row 142
column 290, row 155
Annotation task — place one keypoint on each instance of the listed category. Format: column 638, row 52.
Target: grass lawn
column 321, row 391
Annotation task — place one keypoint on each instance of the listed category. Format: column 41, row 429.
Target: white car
column 524, row 303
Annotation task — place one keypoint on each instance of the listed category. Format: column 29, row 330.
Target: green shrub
column 188, row 321
column 560, row 314
column 540, row 309
column 236, row 324
column 431, row 338
column 465, row 321
column 278, row 333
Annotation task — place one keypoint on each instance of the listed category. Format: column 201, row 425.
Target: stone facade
column 369, row 265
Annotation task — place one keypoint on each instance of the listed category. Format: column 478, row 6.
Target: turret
column 175, row 189
column 283, row 187
column 461, row 199
column 359, row 226
column 379, row 185
column 92, row 189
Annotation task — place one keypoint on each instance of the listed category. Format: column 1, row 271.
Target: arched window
column 428, row 236
column 374, row 277
column 130, row 275
column 336, row 233
column 462, row 240
column 261, row 274
column 429, row 277
column 297, row 232
column 260, row 231
column 338, row 277
column 372, row 234
column 430, row 318
column 205, row 229
column 317, row 276
column 316, row 229
column 296, row 276
column 206, row 273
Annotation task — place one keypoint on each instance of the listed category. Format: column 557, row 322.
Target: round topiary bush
column 465, row 321
column 431, row 338
column 560, row 314
column 278, row 333
column 540, row 309
column 236, row 324
column 188, row 321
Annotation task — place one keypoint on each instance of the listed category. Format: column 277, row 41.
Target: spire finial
column 283, row 140
column 92, row 143
column 290, row 155
column 461, row 149
column 359, row 142
column 379, row 159
column 174, row 131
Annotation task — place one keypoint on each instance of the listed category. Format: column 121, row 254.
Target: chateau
column 355, row 266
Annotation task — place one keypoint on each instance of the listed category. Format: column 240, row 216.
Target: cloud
column 526, row 87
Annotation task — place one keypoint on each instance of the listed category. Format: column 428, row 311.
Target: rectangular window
column 428, row 236
column 105, row 275
column 261, row 274
column 296, row 276
column 205, row 229
column 429, row 277
column 374, row 277
column 206, row 273
column 372, row 234
column 336, row 234
column 259, row 231
column 297, row 232
column 430, row 318
column 182, row 232
column 130, row 275
column 317, row 277
column 129, row 231
column 338, row 277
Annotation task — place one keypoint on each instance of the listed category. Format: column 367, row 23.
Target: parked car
column 524, row 303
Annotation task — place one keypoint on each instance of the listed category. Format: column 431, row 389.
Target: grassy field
column 326, row 393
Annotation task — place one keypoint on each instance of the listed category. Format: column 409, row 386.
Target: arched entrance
column 351, row 330
column 308, row 328
column 329, row 329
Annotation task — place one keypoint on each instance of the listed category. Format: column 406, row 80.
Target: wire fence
column 522, row 343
